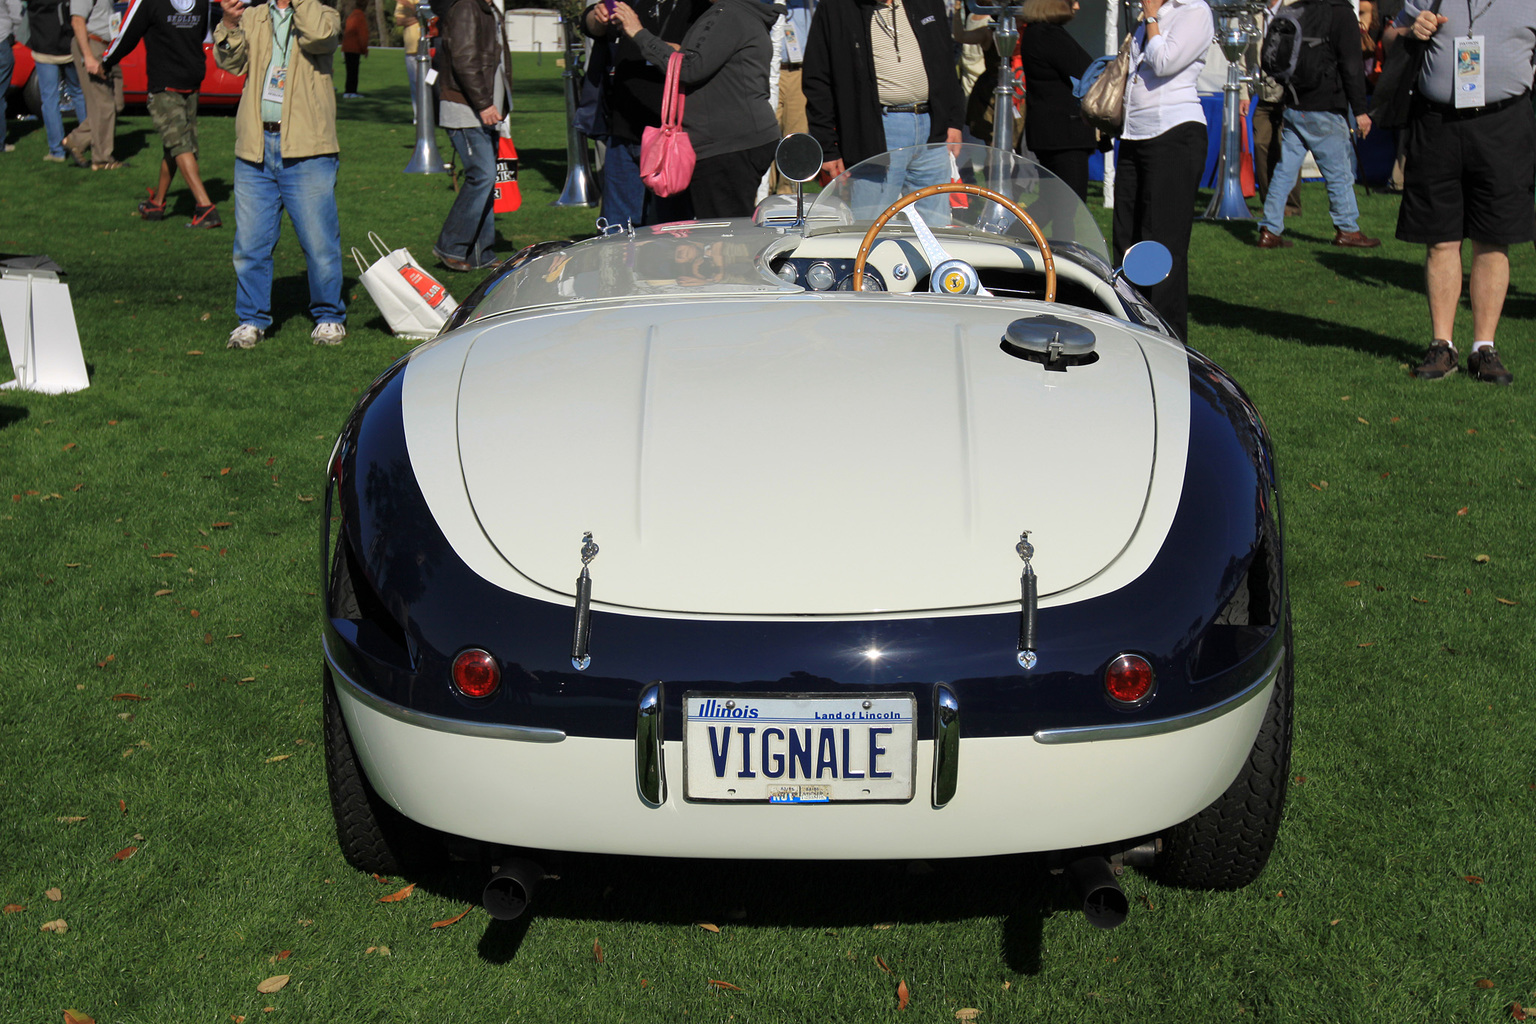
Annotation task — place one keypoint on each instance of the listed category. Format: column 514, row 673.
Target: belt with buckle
column 1453, row 113
column 272, row 126
column 906, row 108
column 790, row 65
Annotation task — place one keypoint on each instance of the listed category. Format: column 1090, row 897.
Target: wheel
column 907, row 200
column 1227, row 845
column 373, row 835
column 32, row 96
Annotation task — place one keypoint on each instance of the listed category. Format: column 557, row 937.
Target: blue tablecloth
column 1375, row 152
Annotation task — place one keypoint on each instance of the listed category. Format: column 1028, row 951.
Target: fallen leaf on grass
column 194, row 352
column 14, row 908
column 126, row 696
column 272, row 984
column 164, row 554
column 1474, row 879
column 381, row 950
column 1419, row 600
column 724, row 984
column 306, row 497
column 1351, row 583
column 78, row 1017
column 903, row 994
column 709, row 927
column 238, row 1018
column 1334, row 921
column 381, row 879
column 125, row 853
column 1483, row 983
column 1370, row 644
column 396, row 897
column 1518, row 1012
column 54, row 895
column 122, row 805
column 164, row 593
column 279, row 757
column 880, row 963
column 1480, row 559
column 969, row 1013
column 884, row 926
column 70, row 445
column 1362, row 419
column 56, row 927
column 597, row 950
column 1463, row 510
column 224, row 471
column 1505, row 600
column 1439, row 558
column 645, row 983
column 221, row 525
column 460, row 916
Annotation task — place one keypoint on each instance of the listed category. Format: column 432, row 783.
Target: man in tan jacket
column 285, row 156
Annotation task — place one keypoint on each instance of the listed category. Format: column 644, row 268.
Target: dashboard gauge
column 819, row 277
column 787, row 272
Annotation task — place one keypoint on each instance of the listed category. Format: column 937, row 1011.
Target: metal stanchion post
column 1237, row 28
column 579, row 189
column 426, row 159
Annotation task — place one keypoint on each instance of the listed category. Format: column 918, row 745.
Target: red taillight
column 1129, row 679
column 475, row 673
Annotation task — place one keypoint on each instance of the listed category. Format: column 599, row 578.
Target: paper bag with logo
column 414, row 303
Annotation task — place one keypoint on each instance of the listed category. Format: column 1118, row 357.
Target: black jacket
column 1343, row 88
column 633, row 89
column 838, row 78
column 468, row 53
column 173, row 43
column 1052, row 118
column 724, row 76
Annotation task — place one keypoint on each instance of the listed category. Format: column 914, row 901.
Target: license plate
column 813, row 748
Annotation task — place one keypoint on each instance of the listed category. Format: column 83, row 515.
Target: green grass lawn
column 159, row 657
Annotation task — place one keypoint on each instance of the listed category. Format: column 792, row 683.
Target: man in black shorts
column 1471, row 166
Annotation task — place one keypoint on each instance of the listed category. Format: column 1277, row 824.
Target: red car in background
column 220, row 88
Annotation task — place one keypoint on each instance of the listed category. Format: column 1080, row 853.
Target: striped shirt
column 900, row 76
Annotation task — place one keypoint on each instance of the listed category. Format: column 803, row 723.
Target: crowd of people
column 865, row 78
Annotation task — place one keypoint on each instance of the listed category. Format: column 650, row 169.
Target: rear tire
column 373, row 835
column 1227, row 845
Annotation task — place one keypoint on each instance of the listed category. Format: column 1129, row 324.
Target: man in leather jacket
column 473, row 73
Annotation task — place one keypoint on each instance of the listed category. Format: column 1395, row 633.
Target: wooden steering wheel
column 956, row 186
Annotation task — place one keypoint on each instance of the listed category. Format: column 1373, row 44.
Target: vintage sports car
column 905, row 529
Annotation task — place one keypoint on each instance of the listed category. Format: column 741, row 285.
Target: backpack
column 1295, row 50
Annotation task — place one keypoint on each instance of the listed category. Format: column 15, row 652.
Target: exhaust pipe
column 511, row 889
column 1104, row 903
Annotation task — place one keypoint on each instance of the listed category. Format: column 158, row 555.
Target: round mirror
column 1146, row 263
column 798, row 157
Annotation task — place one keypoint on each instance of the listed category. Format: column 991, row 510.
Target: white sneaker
column 246, row 336
column 328, row 334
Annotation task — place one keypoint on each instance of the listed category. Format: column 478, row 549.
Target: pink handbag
column 666, row 155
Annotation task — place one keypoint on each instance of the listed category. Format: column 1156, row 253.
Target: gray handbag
column 1103, row 104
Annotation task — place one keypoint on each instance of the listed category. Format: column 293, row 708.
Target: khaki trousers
column 98, row 128
column 791, row 114
column 1266, row 152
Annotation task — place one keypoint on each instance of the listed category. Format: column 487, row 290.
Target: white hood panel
column 801, row 456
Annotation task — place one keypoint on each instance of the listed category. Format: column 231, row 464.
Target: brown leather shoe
column 1269, row 240
column 1484, row 364
column 1354, row 240
column 1438, row 362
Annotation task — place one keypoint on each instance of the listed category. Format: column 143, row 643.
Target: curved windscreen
column 858, row 196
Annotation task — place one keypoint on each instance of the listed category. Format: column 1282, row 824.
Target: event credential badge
column 279, row 78
column 1468, row 82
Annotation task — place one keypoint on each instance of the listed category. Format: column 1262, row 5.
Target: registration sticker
column 803, row 749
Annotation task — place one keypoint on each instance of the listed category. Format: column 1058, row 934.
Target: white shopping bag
column 415, row 303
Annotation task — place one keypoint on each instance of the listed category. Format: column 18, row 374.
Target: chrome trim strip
column 1156, row 727
column 650, row 767
column 946, row 745
column 458, row 727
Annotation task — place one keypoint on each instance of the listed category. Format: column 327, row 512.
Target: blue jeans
column 7, row 65
column 48, row 80
column 908, row 172
column 469, row 233
column 306, row 188
column 1327, row 135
